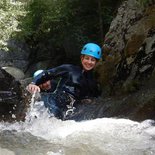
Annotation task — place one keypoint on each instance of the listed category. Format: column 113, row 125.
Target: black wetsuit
column 74, row 83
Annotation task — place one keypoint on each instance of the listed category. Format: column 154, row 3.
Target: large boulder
column 129, row 48
column 12, row 98
column 17, row 73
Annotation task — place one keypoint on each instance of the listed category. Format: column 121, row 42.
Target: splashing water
column 43, row 134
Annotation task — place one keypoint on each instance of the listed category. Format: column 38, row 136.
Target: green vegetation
column 9, row 15
column 55, row 25
column 60, row 20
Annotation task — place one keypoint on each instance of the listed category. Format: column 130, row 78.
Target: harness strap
column 70, row 107
column 57, row 86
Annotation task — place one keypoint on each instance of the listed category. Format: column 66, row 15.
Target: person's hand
column 32, row 88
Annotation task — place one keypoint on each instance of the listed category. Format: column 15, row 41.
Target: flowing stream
column 42, row 134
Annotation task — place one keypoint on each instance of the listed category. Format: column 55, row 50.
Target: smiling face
column 88, row 62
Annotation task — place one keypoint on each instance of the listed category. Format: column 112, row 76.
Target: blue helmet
column 36, row 73
column 92, row 49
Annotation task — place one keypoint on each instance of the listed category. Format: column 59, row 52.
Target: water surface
column 42, row 134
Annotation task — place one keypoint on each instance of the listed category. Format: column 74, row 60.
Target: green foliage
column 52, row 24
column 9, row 14
column 54, row 21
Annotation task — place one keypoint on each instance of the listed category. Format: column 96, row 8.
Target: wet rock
column 137, row 106
column 129, row 47
column 17, row 73
column 13, row 100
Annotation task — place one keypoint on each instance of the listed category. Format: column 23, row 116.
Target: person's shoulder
column 71, row 66
column 68, row 65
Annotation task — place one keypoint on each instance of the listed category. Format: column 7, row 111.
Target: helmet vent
column 92, row 49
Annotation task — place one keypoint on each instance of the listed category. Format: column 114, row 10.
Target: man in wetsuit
column 77, row 82
column 47, row 84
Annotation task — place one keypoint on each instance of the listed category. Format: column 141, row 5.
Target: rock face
column 12, row 100
column 129, row 47
column 16, row 56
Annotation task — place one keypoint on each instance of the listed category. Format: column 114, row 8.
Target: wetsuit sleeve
column 50, row 74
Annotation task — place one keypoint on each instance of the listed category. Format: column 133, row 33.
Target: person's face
column 46, row 85
column 88, row 62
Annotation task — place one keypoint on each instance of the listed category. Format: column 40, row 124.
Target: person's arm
column 34, row 85
column 38, row 80
column 50, row 74
column 45, row 76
